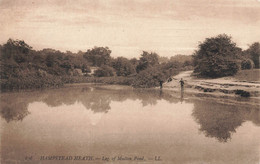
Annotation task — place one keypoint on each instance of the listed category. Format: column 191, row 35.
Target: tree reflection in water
column 97, row 99
column 16, row 112
column 216, row 119
column 221, row 120
column 14, row 107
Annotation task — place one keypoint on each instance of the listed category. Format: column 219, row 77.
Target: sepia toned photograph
column 130, row 81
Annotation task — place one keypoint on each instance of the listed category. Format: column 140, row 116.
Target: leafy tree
column 98, row 56
column 163, row 59
column 254, row 52
column 134, row 61
column 247, row 64
column 172, row 65
column 149, row 77
column 123, row 67
column 16, row 46
column 187, row 63
column 217, row 57
column 85, row 68
column 181, row 58
column 69, row 53
column 147, row 60
column 16, row 50
column 38, row 59
column 50, row 60
column 80, row 53
column 104, row 71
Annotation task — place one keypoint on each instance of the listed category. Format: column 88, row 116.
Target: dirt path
column 226, row 85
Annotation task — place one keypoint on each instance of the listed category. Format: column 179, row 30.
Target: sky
column 128, row 27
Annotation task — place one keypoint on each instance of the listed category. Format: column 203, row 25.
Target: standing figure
column 161, row 84
column 182, row 83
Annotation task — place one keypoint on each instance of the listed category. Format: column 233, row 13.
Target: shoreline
column 225, row 86
column 184, row 97
column 219, row 86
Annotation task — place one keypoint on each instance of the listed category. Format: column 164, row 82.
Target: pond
column 114, row 124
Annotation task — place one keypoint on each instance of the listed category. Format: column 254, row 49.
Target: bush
column 149, row 78
column 30, row 82
column 98, row 56
column 254, row 52
column 104, row 71
column 123, row 67
column 147, row 60
column 217, row 57
column 104, row 80
column 247, row 64
column 242, row 93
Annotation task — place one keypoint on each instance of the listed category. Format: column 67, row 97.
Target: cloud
column 247, row 11
column 176, row 25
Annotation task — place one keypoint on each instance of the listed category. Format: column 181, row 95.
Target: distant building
column 92, row 70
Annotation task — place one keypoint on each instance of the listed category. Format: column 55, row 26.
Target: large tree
column 16, row 50
column 98, row 56
column 104, row 71
column 123, row 67
column 217, row 57
column 147, row 60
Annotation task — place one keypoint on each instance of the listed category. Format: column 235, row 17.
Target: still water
column 114, row 124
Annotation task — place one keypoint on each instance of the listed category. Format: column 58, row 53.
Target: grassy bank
column 34, row 82
column 248, row 75
column 13, row 84
column 248, row 85
column 104, row 80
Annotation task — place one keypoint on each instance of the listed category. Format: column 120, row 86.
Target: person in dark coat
column 182, row 83
column 161, row 84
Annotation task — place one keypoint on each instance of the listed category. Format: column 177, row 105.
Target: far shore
column 231, row 86
column 245, row 84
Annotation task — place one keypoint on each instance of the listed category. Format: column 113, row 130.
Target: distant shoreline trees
column 22, row 67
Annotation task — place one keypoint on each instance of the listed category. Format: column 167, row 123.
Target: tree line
column 23, row 67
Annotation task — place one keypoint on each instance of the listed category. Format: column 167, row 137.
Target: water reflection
column 218, row 120
column 14, row 112
column 221, row 120
column 13, row 107
column 182, row 95
column 100, row 120
column 97, row 99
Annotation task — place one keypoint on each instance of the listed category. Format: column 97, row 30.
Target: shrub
column 123, row 67
column 147, row 60
column 242, row 93
column 98, row 56
column 104, row 71
column 247, row 64
column 254, row 52
column 149, row 78
column 217, row 57
column 30, row 82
